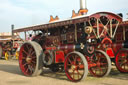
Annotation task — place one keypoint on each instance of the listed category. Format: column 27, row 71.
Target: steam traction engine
column 77, row 45
column 121, row 53
column 9, row 46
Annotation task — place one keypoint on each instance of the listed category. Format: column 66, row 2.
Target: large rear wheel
column 121, row 60
column 99, row 64
column 76, row 67
column 29, row 59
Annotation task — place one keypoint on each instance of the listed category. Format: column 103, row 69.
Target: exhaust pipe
column 12, row 28
column 83, row 4
column 83, row 7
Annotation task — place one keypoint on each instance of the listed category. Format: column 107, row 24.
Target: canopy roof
column 74, row 20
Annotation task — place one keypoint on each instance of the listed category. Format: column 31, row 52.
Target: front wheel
column 99, row 64
column 76, row 67
column 121, row 60
column 29, row 59
column 8, row 55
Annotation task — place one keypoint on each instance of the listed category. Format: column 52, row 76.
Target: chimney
column 83, row 7
column 127, row 14
column 12, row 28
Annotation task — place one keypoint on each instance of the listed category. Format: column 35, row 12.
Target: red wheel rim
column 74, row 67
column 27, row 59
column 98, row 64
column 122, row 61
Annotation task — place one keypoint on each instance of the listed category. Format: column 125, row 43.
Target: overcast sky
column 24, row 13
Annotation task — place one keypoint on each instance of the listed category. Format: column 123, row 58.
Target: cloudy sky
column 24, row 13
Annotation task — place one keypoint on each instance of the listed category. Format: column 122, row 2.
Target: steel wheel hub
column 28, row 59
column 98, row 64
column 73, row 67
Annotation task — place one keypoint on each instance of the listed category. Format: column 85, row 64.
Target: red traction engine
column 110, row 34
column 72, row 45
